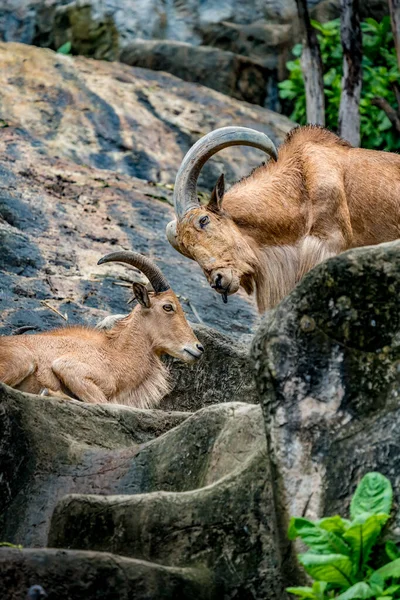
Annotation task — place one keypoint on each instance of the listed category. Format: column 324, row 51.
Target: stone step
column 77, row 575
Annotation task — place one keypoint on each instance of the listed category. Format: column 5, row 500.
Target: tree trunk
column 311, row 64
column 394, row 7
column 349, row 113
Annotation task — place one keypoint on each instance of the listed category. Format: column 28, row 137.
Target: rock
column 213, row 507
column 98, row 576
column 66, row 123
column 231, row 74
column 224, row 374
column 328, row 372
column 50, row 447
column 111, row 116
column 325, row 10
column 63, row 218
column 90, row 31
column 266, row 43
column 191, row 493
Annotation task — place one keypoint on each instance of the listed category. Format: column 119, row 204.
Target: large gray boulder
column 88, row 156
column 190, row 492
column 213, row 506
column 328, row 371
column 49, row 448
column 232, row 74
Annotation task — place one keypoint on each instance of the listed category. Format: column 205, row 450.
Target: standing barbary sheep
column 121, row 365
column 318, row 197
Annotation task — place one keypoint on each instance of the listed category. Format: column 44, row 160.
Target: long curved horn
column 173, row 239
column 185, row 194
column 153, row 273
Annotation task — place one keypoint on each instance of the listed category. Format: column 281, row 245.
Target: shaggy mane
column 316, row 134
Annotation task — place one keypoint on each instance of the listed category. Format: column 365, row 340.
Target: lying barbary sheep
column 315, row 198
column 121, row 365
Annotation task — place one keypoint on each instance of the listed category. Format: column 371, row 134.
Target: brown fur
column 321, row 197
column 120, row 365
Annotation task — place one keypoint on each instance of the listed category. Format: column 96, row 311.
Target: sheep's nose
column 200, row 348
column 217, row 281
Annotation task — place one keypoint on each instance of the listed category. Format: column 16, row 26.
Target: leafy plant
column 340, row 557
column 380, row 72
column 65, row 48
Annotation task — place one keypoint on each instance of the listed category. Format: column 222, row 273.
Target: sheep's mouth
column 192, row 354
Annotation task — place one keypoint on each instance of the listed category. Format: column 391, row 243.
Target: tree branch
column 392, row 115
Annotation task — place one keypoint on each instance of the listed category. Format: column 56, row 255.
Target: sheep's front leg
column 55, row 394
column 79, row 378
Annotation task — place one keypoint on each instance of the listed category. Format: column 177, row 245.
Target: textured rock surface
column 219, row 514
column 196, row 490
column 65, row 124
column 224, row 374
column 328, row 370
column 51, row 447
column 130, row 120
column 98, row 576
column 229, row 73
column 253, row 30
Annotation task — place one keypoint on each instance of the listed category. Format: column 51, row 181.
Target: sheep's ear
column 141, row 294
column 217, row 195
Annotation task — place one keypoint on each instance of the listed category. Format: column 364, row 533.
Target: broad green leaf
column 361, row 537
column 65, row 48
column 392, row 569
column 391, row 590
column 335, row 524
column 319, row 588
column 296, row 525
column 377, row 583
column 333, row 568
column 319, row 540
column 373, row 495
column 303, row 592
column 392, row 550
column 317, row 592
column 359, row 591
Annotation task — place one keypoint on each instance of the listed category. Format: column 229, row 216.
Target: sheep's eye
column 204, row 221
column 168, row 307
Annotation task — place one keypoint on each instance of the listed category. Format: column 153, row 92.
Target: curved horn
column 153, row 273
column 173, row 239
column 185, row 194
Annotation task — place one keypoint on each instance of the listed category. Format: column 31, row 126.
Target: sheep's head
column 210, row 237
column 161, row 313
column 207, row 234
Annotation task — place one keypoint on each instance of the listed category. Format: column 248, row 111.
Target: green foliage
column 380, row 71
column 65, row 48
column 340, row 550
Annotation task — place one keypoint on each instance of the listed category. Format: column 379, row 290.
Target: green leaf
column 335, row 524
column 391, row 590
column 392, row 569
column 361, row 537
column 303, row 592
column 373, row 495
column 392, row 550
column 317, row 592
column 332, row 568
column 359, row 591
column 319, row 540
column 65, row 48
